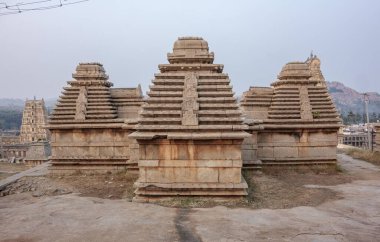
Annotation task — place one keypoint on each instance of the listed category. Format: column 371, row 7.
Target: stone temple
column 90, row 123
column 299, row 120
column 191, row 130
column 190, row 137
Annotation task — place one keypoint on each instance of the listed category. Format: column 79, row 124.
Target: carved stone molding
column 81, row 104
column 190, row 105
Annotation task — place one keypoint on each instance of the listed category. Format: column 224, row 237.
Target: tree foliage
column 357, row 118
column 10, row 119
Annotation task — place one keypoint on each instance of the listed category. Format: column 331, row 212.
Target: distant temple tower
column 34, row 119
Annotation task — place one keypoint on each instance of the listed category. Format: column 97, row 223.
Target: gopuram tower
column 190, row 130
column 34, row 119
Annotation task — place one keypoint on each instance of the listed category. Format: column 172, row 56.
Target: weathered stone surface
column 81, row 104
column 37, row 153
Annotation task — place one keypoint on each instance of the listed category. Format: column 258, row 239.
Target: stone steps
column 217, row 100
column 165, row 94
column 214, row 94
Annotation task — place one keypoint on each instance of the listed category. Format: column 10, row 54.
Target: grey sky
column 253, row 39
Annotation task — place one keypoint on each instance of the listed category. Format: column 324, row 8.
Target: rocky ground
column 290, row 206
column 108, row 186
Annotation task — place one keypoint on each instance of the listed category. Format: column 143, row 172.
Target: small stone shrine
column 37, row 153
column 90, row 123
column 191, row 130
column 300, row 122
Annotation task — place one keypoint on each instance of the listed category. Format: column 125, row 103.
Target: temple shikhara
column 34, row 119
column 191, row 129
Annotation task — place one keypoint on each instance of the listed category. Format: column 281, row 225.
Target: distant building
column 10, row 147
column 376, row 146
column 355, row 135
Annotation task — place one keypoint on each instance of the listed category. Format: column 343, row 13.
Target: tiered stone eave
column 191, row 67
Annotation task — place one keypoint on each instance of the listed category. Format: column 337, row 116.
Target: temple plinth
column 89, row 125
column 190, row 131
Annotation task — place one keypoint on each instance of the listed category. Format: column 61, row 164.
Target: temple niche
column 190, row 130
column 299, row 120
column 91, row 123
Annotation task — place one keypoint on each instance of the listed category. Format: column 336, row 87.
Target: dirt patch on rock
column 277, row 190
column 287, row 189
column 109, row 186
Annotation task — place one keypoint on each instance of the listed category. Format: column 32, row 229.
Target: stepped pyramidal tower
column 34, row 119
column 300, row 122
column 89, row 124
column 190, row 130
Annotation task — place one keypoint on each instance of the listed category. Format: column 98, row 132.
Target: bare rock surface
column 353, row 217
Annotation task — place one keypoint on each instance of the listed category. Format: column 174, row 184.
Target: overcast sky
column 253, row 39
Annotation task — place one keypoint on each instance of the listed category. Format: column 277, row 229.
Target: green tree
column 373, row 117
